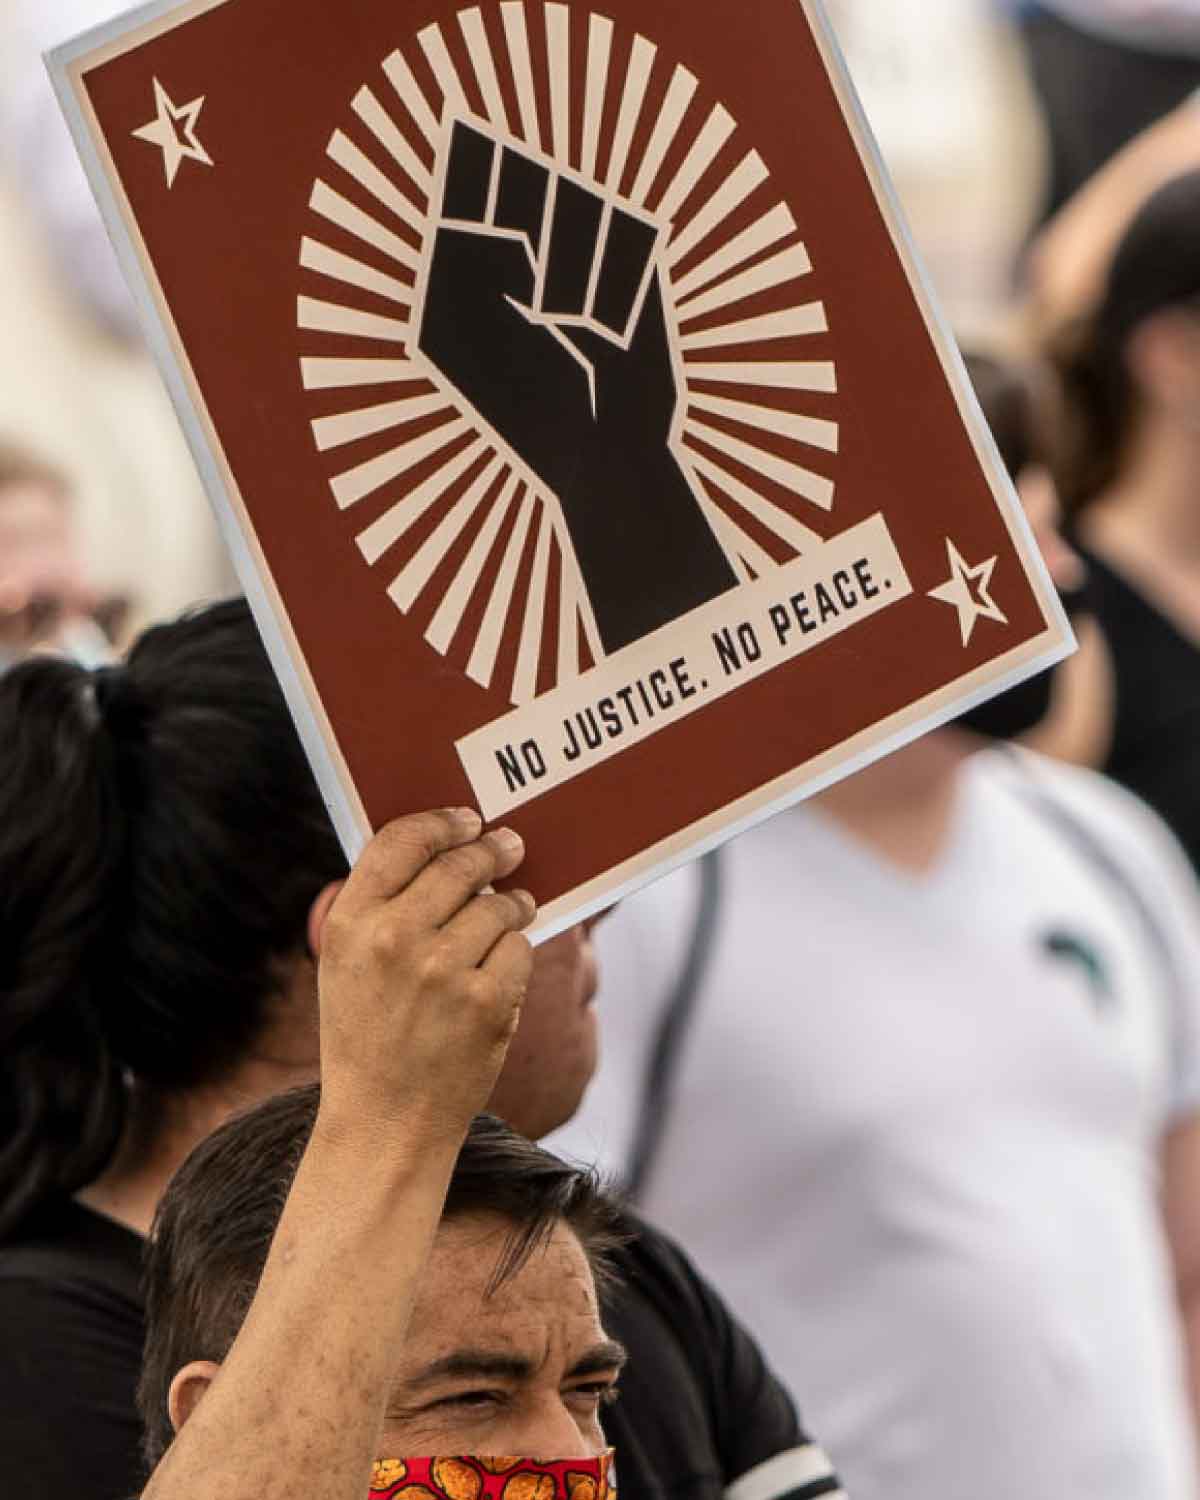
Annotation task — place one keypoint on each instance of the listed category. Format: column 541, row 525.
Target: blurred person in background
column 1128, row 469
column 47, row 600
column 1068, row 263
column 948, row 98
column 914, row 1072
column 44, row 163
column 1074, row 712
column 1103, row 71
column 75, row 378
column 165, row 865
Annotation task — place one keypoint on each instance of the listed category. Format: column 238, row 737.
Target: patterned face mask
column 493, row 1479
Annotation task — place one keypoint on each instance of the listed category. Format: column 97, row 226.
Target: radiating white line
column 599, row 52
column 409, row 509
column 400, row 76
column 340, row 211
column 558, row 57
column 445, row 623
column 407, row 586
column 793, row 477
column 342, row 150
column 666, row 128
column 758, row 236
column 737, row 187
column 788, row 265
column 433, row 44
column 802, row 375
column 513, row 15
column 331, row 317
column 471, row 25
column 567, row 666
column 349, row 426
column 493, row 192
column 738, row 543
column 795, row 322
column 777, row 520
column 482, row 665
column 813, row 431
column 367, row 478
column 381, row 125
column 637, row 76
column 314, row 256
column 589, row 298
column 525, row 678
column 337, row 374
column 717, row 129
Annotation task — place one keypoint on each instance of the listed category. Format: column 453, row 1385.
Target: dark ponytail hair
column 161, row 841
column 1156, row 266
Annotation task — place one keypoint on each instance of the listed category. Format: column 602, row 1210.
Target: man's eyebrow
column 472, row 1364
column 606, row 1356
column 482, row 1364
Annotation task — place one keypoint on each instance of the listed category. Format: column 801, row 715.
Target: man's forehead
column 470, row 1249
column 547, row 1308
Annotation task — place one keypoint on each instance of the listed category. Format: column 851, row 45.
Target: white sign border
column 66, row 63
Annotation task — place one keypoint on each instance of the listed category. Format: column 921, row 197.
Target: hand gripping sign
column 564, row 381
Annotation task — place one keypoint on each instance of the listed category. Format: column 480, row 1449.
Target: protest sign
column 563, row 378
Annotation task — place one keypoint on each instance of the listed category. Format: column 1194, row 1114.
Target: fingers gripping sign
column 544, row 308
column 422, row 973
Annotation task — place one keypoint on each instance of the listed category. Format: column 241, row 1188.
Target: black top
column 698, row 1408
column 1156, row 741
column 70, row 1352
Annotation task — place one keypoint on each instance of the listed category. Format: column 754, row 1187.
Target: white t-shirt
column 915, row 1135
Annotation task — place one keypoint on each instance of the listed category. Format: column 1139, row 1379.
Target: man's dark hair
column 215, row 1224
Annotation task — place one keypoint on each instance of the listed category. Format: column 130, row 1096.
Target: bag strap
column 659, row 1077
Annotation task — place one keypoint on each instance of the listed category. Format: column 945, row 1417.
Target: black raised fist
column 544, row 310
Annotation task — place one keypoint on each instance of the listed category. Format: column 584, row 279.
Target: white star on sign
column 174, row 130
column 967, row 590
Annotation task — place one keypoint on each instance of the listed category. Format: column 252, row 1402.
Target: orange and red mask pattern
column 472, row 1478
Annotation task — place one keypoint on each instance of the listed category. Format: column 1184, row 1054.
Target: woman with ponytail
column 161, row 843
column 1128, row 473
column 164, row 854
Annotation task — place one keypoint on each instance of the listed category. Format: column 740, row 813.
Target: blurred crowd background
column 1022, row 139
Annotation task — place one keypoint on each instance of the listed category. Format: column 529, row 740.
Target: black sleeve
column 761, row 1446
column 68, row 1423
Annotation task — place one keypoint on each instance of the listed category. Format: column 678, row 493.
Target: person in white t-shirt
column 917, row 1118
column 914, row 1072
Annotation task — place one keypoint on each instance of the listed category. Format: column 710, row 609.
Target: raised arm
column 421, row 983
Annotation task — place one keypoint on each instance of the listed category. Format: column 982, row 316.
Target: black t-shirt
column 70, row 1353
column 698, row 1409
column 1156, row 729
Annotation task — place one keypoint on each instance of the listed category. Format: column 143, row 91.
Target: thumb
column 318, row 912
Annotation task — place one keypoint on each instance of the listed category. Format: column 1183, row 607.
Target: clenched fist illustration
column 544, row 309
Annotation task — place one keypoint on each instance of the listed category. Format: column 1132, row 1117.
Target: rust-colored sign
column 564, row 382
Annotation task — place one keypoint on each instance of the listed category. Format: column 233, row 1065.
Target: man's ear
column 317, row 913
column 188, row 1386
